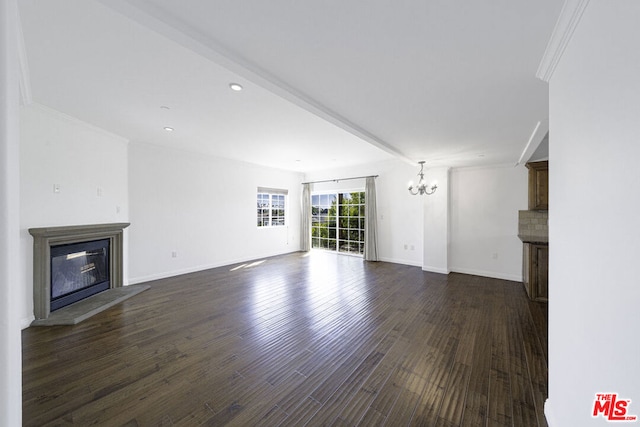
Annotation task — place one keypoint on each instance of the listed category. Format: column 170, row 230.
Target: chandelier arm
column 422, row 188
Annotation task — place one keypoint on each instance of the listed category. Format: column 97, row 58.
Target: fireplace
column 72, row 263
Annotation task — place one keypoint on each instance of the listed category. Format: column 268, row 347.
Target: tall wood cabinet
column 535, row 263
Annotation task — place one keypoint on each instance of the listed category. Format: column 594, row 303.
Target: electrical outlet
column 413, row 248
column 406, row 247
column 56, row 188
column 99, row 191
column 174, row 254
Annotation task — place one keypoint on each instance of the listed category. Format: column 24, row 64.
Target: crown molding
column 566, row 24
column 491, row 166
column 23, row 65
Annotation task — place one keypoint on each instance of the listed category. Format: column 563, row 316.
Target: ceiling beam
column 156, row 19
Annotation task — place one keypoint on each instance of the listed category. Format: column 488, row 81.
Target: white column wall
column 10, row 340
column 594, row 290
column 436, row 223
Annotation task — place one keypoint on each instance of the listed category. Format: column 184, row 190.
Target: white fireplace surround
column 46, row 237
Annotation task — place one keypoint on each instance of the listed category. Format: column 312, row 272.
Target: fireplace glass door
column 78, row 271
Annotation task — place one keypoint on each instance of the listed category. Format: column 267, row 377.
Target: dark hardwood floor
column 297, row 340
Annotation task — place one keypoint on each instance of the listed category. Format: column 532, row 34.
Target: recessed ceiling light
column 235, row 86
column 168, row 129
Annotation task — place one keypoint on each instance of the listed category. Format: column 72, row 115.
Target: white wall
column 400, row 214
column 203, row 209
column 484, row 220
column 594, row 289
column 80, row 158
column 10, row 294
column 472, row 215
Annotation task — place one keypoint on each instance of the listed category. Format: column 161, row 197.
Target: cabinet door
column 540, row 272
column 526, row 268
column 542, row 190
column 538, row 185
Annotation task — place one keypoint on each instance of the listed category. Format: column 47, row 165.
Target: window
column 271, row 207
column 337, row 222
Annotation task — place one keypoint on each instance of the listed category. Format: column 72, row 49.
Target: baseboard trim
column 167, row 274
column 548, row 415
column 491, row 274
column 174, row 273
column 401, row 261
column 25, row 322
column 435, row 269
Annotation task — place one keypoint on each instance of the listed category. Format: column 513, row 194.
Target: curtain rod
column 341, row 179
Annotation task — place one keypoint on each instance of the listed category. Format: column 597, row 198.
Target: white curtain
column 305, row 230
column 371, row 221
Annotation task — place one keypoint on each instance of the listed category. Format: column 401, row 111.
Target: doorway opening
column 337, row 221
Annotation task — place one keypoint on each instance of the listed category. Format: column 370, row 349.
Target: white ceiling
column 326, row 84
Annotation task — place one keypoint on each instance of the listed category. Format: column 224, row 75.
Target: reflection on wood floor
column 318, row 339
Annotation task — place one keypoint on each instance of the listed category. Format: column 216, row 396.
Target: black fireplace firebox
column 78, row 270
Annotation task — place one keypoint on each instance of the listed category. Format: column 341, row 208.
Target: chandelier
column 421, row 188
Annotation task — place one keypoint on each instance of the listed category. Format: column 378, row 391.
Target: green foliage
column 338, row 222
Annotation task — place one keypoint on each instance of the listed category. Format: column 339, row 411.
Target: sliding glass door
column 337, row 222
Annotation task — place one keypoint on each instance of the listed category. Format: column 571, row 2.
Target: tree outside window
column 337, row 222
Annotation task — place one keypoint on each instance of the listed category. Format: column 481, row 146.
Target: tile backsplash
column 533, row 224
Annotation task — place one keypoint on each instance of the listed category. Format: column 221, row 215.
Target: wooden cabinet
column 538, row 185
column 535, row 262
column 536, row 271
